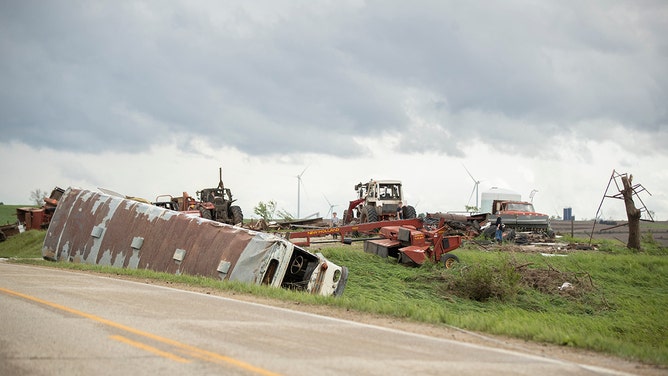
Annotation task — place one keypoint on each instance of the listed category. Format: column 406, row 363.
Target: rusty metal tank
column 96, row 228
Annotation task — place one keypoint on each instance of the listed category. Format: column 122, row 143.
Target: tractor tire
column 345, row 220
column 449, row 260
column 408, row 212
column 489, row 232
column 237, row 215
column 205, row 213
column 371, row 214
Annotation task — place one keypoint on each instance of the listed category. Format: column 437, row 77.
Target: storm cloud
column 280, row 78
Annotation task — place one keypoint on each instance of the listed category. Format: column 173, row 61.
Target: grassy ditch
column 616, row 305
column 23, row 246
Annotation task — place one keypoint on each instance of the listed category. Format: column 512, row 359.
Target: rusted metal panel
column 96, row 228
column 31, row 218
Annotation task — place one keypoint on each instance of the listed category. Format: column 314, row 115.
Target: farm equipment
column 9, row 230
column 212, row 203
column 39, row 218
column 185, row 204
column 413, row 246
column 216, row 204
column 410, row 241
column 31, row 218
column 518, row 216
column 378, row 200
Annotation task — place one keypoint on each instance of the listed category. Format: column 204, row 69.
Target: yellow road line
column 203, row 354
column 150, row 349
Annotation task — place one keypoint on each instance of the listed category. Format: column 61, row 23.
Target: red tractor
column 216, row 204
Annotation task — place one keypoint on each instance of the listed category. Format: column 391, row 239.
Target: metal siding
column 96, row 228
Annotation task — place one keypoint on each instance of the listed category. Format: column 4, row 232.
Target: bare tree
column 265, row 210
column 632, row 213
column 37, row 196
column 626, row 192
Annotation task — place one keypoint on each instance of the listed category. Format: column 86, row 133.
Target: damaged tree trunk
column 632, row 213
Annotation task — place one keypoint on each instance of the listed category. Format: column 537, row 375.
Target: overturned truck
column 95, row 228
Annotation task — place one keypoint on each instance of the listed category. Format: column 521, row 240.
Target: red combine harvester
column 408, row 240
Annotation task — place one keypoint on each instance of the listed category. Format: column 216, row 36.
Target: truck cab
column 520, row 215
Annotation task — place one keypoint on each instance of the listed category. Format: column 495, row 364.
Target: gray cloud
column 307, row 77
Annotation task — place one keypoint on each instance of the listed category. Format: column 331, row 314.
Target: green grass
column 618, row 307
column 22, row 246
column 8, row 213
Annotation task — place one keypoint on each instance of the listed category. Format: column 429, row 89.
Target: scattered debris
column 566, row 286
column 10, row 230
column 31, row 218
column 467, row 226
column 581, row 247
column 550, row 280
column 39, row 218
column 185, row 204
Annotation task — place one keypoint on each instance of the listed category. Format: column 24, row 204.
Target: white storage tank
column 496, row 193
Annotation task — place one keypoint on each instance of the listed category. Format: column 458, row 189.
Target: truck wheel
column 449, row 260
column 371, row 214
column 237, row 215
column 409, row 212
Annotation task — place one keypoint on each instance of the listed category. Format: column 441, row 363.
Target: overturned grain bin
column 95, row 228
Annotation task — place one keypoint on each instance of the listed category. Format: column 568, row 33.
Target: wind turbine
column 533, row 193
column 475, row 188
column 299, row 185
column 331, row 207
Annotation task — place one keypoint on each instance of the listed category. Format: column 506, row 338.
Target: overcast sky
column 150, row 98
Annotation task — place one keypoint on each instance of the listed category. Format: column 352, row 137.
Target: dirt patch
column 548, row 280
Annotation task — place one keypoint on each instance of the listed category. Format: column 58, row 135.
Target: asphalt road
column 56, row 322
